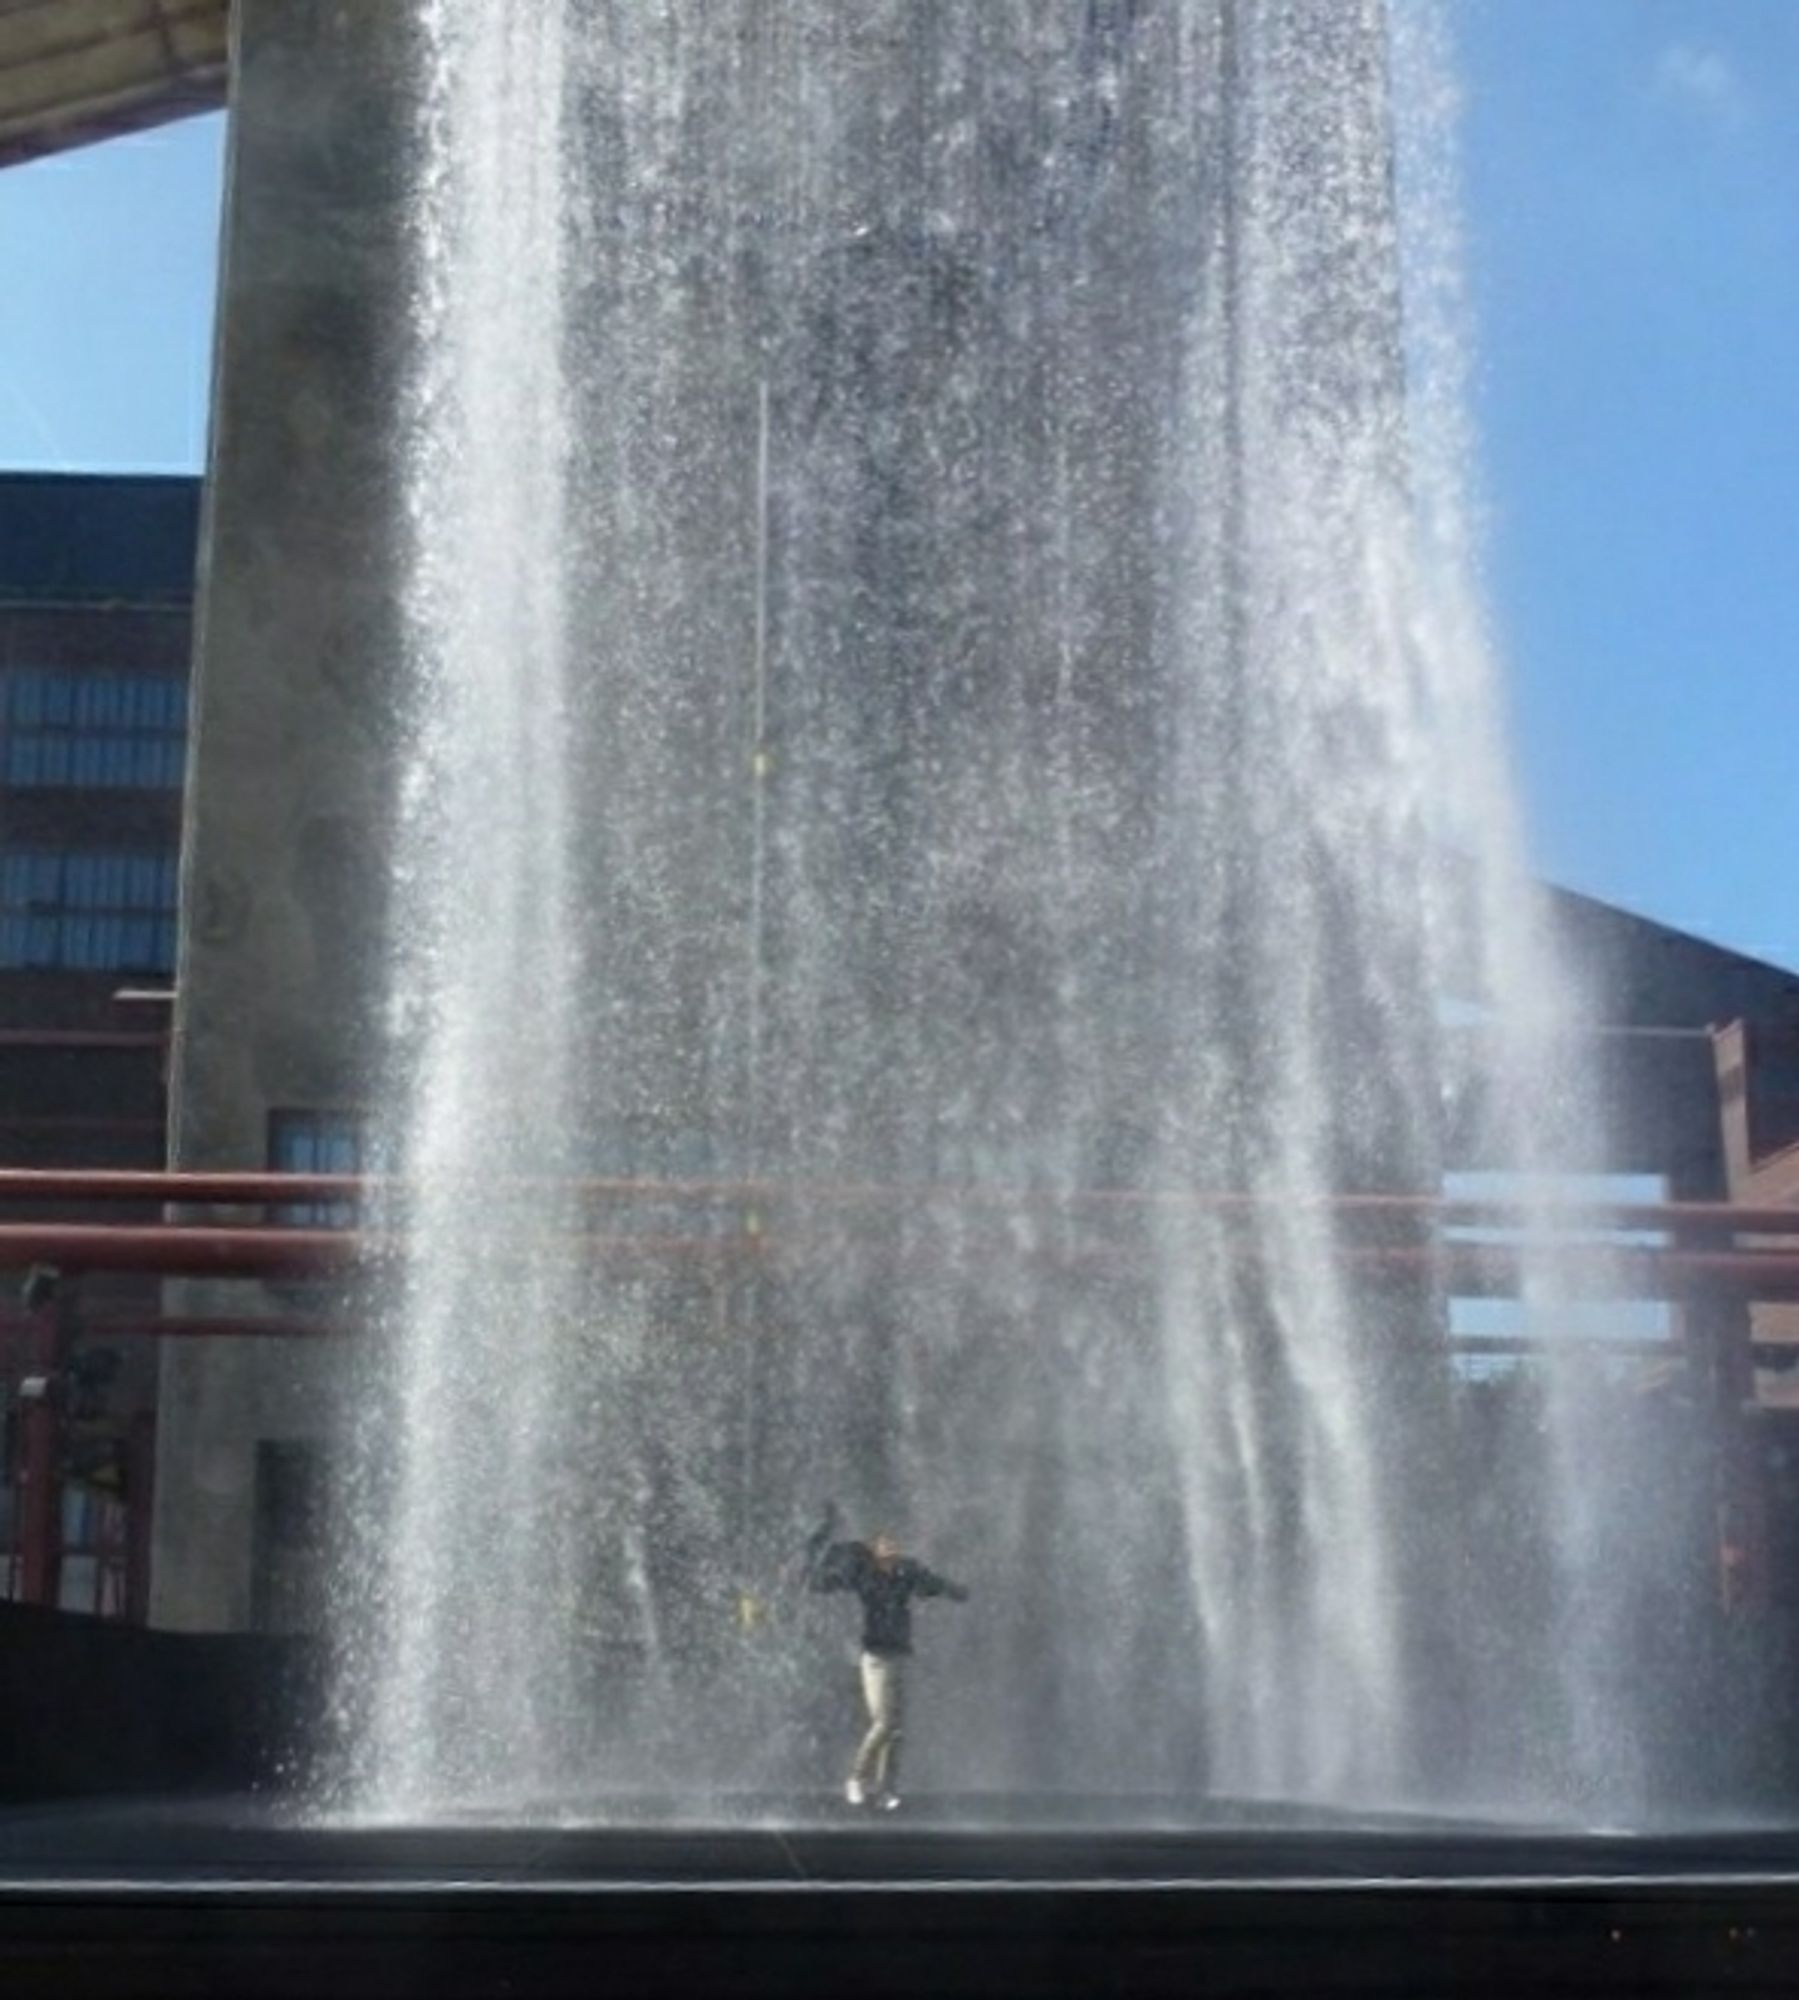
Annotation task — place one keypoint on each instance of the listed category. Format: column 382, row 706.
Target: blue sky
column 108, row 257
column 1632, row 173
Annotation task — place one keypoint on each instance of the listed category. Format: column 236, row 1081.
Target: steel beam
column 40, row 1436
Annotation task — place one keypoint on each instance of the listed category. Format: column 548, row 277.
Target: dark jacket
column 886, row 1590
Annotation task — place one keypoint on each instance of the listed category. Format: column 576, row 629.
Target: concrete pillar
column 294, row 687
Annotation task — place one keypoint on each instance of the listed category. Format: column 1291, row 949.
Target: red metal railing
column 1710, row 1253
column 1406, row 1238
column 262, row 1190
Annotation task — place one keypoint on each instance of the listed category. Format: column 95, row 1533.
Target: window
column 317, row 1142
column 87, row 912
column 1497, row 1335
column 92, row 729
column 288, row 1537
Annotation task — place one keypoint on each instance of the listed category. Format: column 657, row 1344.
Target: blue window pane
column 111, row 730
column 89, row 911
column 303, row 1142
column 316, row 1143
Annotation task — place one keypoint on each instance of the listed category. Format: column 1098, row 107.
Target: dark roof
column 71, row 538
column 1647, row 974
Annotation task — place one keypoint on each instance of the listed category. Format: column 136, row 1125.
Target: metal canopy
column 76, row 71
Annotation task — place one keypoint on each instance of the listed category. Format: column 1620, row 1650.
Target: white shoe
column 889, row 1801
column 854, row 1793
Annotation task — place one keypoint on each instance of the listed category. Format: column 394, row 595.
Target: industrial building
column 98, row 606
column 1695, row 1048
column 96, row 627
column 96, row 634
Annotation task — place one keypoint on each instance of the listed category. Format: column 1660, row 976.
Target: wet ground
column 970, row 1896
column 817, row 1840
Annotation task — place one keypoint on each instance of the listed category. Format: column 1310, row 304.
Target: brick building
column 96, row 603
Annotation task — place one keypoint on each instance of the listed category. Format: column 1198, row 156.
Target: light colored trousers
column 884, row 1694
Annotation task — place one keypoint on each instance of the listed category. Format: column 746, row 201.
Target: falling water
column 951, row 719
column 463, row 1449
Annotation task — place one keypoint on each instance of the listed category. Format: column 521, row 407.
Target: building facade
column 302, row 699
column 96, row 616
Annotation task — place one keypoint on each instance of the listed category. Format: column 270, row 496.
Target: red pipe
column 80, row 1038
column 259, row 1251
column 171, row 1250
column 233, row 1189
column 191, row 1326
column 99, row 1185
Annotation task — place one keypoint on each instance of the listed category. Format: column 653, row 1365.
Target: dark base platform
column 785, row 1896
